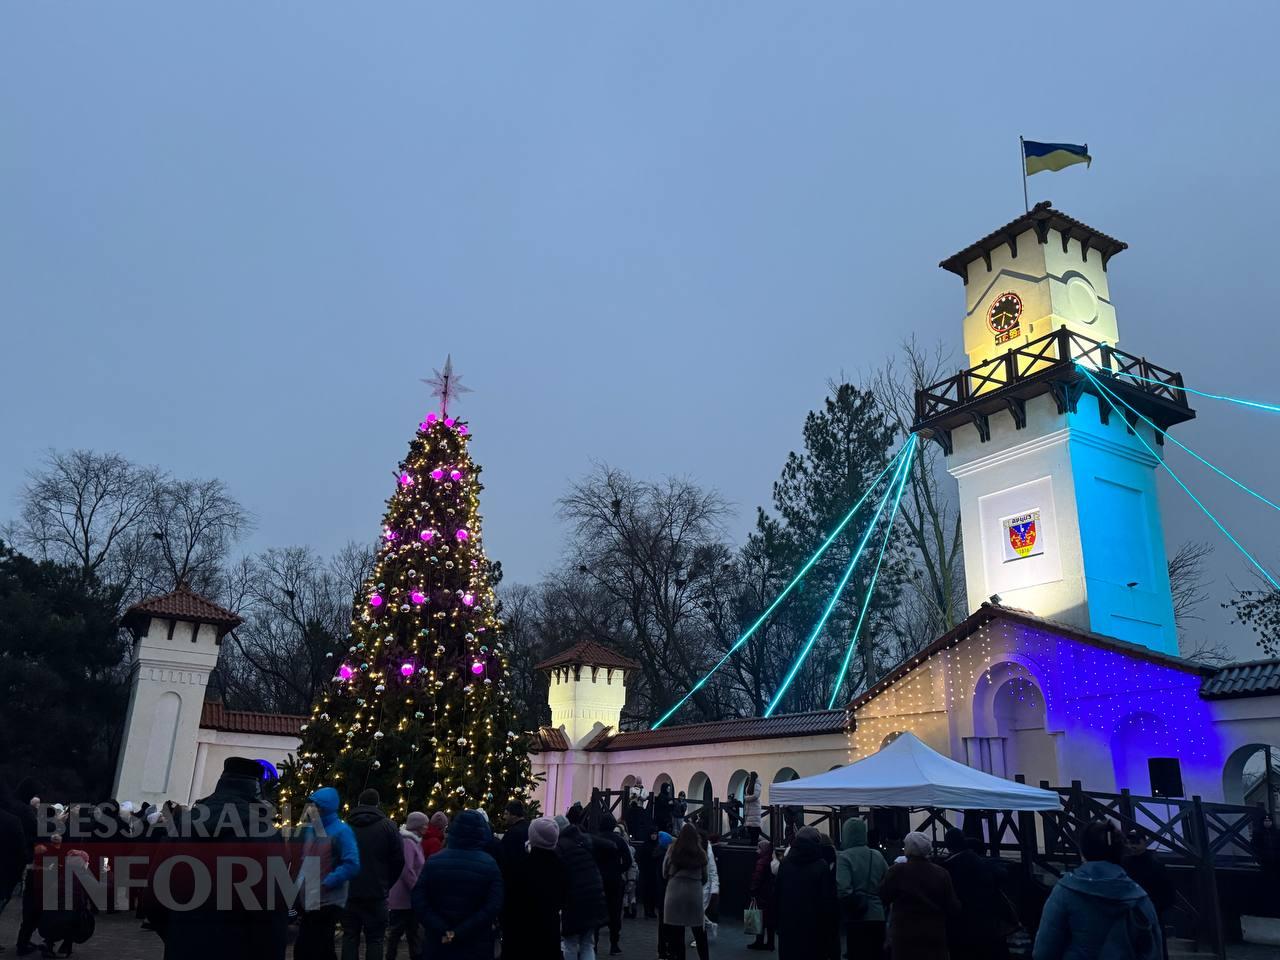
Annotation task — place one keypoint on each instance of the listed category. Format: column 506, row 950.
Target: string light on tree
column 418, row 706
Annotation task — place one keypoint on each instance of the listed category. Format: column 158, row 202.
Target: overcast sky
column 234, row 235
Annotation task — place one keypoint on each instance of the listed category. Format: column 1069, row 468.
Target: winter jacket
column 537, row 893
column 711, row 885
column 513, row 842
column 612, row 853
column 984, row 909
column 804, row 893
column 921, row 900
column 859, row 873
column 399, row 897
column 460, row 890
column 381, row 853
column 662, row 808
column 1097, row 912
column 762, row 887
column 335, row 850
column 585, row 908
column 256, row 928
column 432, row 841
column 683, row 905
column 751, row 806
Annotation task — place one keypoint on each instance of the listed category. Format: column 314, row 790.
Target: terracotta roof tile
column 588, row 653
column 214, row 716
column 548, row 739
column 182, row 604
column 1041, row 217
column 1257, row 678
column 722, row 731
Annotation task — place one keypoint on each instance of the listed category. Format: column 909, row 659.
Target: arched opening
column 792, row 817
column 737, row 788
column 700, row 791
column 1018, row 709
column 659, row 780
column 889, row 738
column 631, row 785
column 1136, row 739
column 1248, row 778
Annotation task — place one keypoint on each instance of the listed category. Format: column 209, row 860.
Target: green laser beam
column 1187, row 490
column 782, row 596
column 835, row 596
column 875, row 574
column 1174, row 440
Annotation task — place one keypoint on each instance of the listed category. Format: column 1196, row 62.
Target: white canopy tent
column 909, row 773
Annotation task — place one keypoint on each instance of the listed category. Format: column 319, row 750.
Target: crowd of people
column 559, row 888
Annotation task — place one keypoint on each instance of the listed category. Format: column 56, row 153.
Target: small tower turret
column 588, row 689
column 176, row 641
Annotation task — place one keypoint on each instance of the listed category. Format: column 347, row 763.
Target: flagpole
column 1022, row 161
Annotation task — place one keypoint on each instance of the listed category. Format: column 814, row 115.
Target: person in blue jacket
column 1097, row 912
column 329, row 852
column 458, row 896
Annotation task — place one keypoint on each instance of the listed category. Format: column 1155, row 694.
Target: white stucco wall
column 213, row 747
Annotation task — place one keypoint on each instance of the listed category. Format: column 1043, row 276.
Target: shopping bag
column 753, row 920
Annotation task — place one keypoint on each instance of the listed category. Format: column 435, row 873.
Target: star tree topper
column 446, row 385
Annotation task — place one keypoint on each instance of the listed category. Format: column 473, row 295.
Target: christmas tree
column 418, row 706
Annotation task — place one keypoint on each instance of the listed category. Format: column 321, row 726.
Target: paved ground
column 118, row 937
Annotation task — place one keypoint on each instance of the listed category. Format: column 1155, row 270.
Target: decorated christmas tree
column 418, row 706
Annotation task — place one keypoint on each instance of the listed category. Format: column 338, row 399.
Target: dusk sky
column 234, row 236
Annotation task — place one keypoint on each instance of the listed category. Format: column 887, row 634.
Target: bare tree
column 194, row 525
column 297, row 609
column 85, row 509
column 1187, row 584
column 931, row 516
column 639, row 561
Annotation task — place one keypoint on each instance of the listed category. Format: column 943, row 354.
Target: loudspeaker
column 1166, row 776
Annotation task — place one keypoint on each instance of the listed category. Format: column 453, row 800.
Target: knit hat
column 561, row 820
column 916, row 844
column 440, row 820
column 417, row 821
column 543, row 834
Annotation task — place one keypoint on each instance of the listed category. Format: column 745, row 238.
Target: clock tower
column 1057, row 481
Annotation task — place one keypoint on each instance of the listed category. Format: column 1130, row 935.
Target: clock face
column 1003, row 316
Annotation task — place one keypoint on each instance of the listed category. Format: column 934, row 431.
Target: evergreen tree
column 418, row 706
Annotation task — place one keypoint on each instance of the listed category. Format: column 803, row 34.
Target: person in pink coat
column 404, row 922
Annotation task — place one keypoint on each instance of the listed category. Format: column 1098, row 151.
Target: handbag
column 753, row 920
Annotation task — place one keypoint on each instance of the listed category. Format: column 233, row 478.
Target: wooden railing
column 1054, row 352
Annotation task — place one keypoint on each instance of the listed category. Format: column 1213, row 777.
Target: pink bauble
column 468, row 599
column 406, row 480
column 477, row 668
column 418, row 597
column 432, row 418
column 345, row 672
column 427, row 535
column 437, row 474
column 406, row 670
column 449, row 421
column 462, row 533
column 375, row 600
column 455, row 474
column 462, row 428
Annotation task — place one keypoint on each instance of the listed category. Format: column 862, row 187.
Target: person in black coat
column 236, row 819
column 585, row 910
column 613, row 857
column 804, row 895
column 535, row 895
column 647, row 857
column 976, row 932
column 458, row 897
column 13, row 852
column 664, row 809
column 511, row 854
column 381, row 860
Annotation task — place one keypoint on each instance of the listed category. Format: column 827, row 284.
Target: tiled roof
column 1042, row 217
column 549, row 739
column 722, row 731
column 182, row 604
column 214, row 716
column 588, row 653
column 991, row 611
column 1256, row 678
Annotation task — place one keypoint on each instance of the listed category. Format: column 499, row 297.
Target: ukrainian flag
column 1039, row 157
